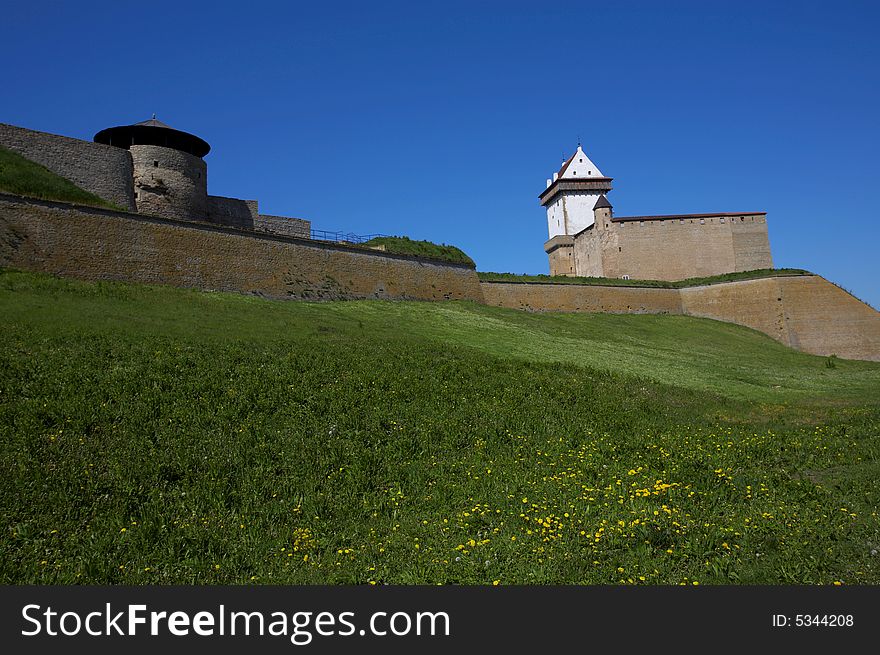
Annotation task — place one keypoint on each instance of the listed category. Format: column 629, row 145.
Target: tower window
column 589, row 172
column 581, row 161
column 155, row 163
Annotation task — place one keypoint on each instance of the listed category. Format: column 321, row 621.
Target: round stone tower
column 170, row 176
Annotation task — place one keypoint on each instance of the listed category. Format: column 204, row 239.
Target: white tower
column 572, row 193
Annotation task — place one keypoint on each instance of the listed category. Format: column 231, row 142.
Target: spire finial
column 154, row 115
column 579, row 140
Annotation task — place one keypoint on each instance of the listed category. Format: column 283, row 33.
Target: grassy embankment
column 157, row 435
column 23, row 177
column 407, row 246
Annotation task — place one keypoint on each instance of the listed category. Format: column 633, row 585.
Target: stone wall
column 100, row 169
column 805, row 312
column 233, row 212
column 679, row 248
column 96, row 244
column 582, row 298
column 169, row 182
column 292, row 227
column 560, row 251
column 671, row 248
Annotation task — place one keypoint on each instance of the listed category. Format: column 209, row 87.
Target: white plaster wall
column 581, row 167
column 577, row 205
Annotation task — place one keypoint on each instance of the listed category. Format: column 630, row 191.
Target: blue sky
column 442, row 120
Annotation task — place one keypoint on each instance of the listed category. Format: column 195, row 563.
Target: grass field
column 153, row 435
column 23, row 177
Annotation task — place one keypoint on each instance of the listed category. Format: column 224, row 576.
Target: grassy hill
column 23, row 177
column 158, row 435
column 407, row 246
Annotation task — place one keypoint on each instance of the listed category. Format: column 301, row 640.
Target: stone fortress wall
column 663, row 248
column 103, row 170
column 169, row 182
column 149, row 179
column 100, row 244
column 805, row 312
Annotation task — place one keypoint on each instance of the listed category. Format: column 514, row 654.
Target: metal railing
column 342, row 237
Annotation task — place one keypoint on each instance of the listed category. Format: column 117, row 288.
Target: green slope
column 156, row 435
column 23, row 177
column 407, row 246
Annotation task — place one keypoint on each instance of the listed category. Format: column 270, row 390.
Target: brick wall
column 95, row 244
column 103, row 170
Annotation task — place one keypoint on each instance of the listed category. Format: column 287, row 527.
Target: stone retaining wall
column 97, row 244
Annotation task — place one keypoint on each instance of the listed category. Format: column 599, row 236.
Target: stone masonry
column 98, row 244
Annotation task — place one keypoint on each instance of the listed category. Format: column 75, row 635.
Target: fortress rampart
column 100, row 169
column 172, row 232
column 99, row 244
column 805, row 312
column 663, row 247
column 150, row 179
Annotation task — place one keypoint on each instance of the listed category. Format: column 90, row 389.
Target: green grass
column 23, row 177
column 661, row 284
column 154, row 435
column 407, row 246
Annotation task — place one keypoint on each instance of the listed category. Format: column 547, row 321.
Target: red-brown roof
column 565, row 165
column 669, row 216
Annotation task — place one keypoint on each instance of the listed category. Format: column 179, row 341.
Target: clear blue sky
column 442, row 120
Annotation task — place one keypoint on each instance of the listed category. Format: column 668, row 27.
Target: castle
column 586, row 239
column 164, row 228
column 149, row 168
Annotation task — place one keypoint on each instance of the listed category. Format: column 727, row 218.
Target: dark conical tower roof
column 153, row 132
column 602, row 202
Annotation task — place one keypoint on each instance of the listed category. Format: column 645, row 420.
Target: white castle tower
column 572, row 193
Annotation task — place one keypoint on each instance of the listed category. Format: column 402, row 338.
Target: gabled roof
column 579, row 166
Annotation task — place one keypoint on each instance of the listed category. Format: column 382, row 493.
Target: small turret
column 602, row 213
